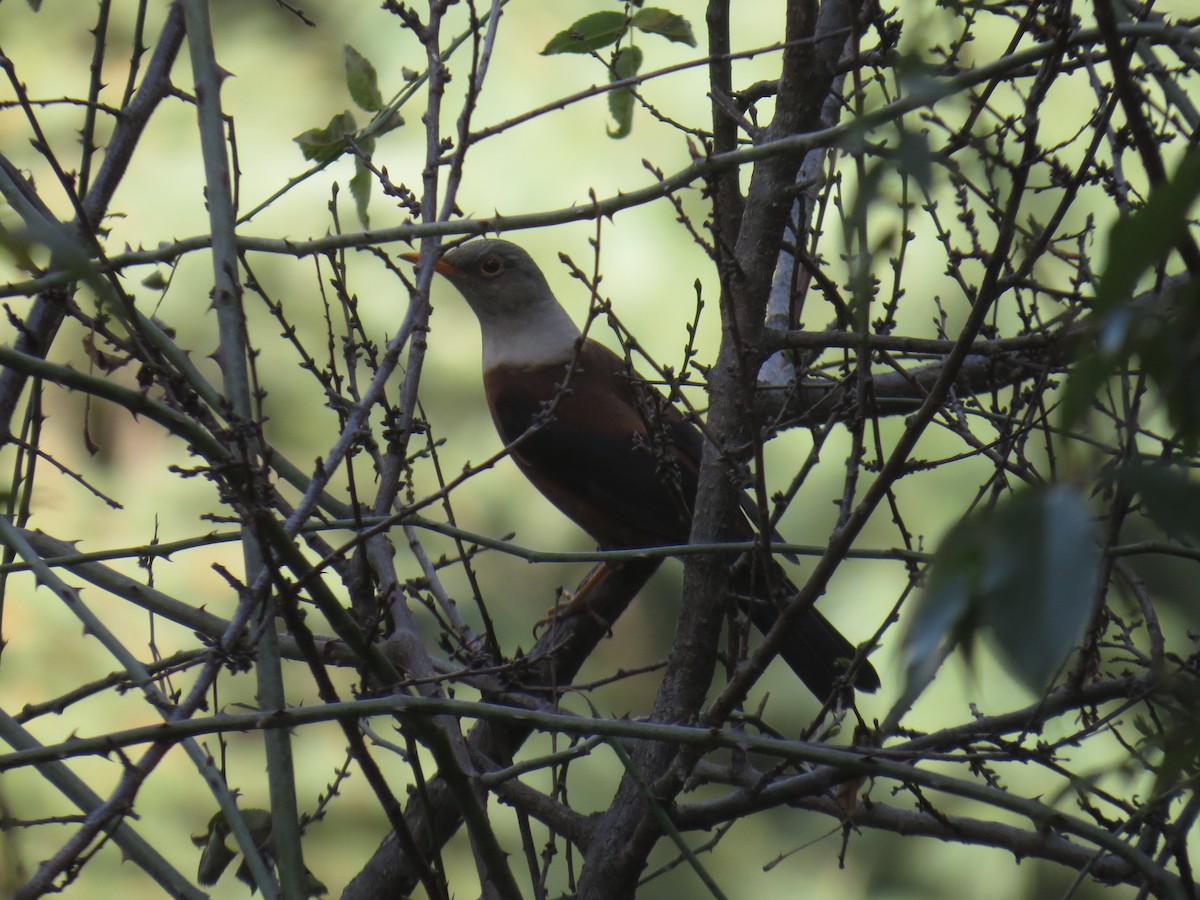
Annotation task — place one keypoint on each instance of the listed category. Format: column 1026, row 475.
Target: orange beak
column 441, row 266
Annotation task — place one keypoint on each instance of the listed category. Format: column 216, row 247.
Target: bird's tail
column 816, row 651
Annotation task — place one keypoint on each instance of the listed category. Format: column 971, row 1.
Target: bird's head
column 521, row 321
column 498, row 279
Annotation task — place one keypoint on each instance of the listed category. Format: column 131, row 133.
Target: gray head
column 521, row 321
column 497, row 278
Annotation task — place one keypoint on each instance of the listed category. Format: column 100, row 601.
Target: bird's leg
column 576, row 603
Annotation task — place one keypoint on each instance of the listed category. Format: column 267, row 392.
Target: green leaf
column 589, row 33
column 1169, row 497
column 1164, row 339
column 944, row 616
column 626, row 63
column 217, row 855
column 1087, row 376
column 360, row 190
column 388, row 120
column 362, row 81
column 660, row 21
column 1050, row 565
column 156, row 281
column 324, row 144
column 18, row 245
column 914, row 158
column 1138, row 243
column 1168, row 352
column 1028, row 571
column 620, row 101
column 1142, row 240
column 213, row 861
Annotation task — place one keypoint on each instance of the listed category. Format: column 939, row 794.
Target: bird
column 605, row 446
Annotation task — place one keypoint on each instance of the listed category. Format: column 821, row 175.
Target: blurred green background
column 287, row 78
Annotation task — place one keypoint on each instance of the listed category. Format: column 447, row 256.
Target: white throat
column 536, row 337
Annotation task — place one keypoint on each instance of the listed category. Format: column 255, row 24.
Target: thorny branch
column 976, row 345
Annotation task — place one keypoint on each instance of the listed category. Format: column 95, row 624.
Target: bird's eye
column 491, row 266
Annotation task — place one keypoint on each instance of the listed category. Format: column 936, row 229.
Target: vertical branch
column 630, row 829
column 154, row 87
column 727, row 199
column 234, row 354
column 88, row 138
column 443, row 735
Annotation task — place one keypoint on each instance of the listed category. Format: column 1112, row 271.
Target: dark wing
column 623, row 467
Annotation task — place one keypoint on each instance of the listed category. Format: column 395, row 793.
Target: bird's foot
column 576, row 603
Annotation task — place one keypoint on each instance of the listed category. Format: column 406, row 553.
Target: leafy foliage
column 262, row 439
column 1028, row 570
column 324, row 145
column 1165, row 337
column 602, row 29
